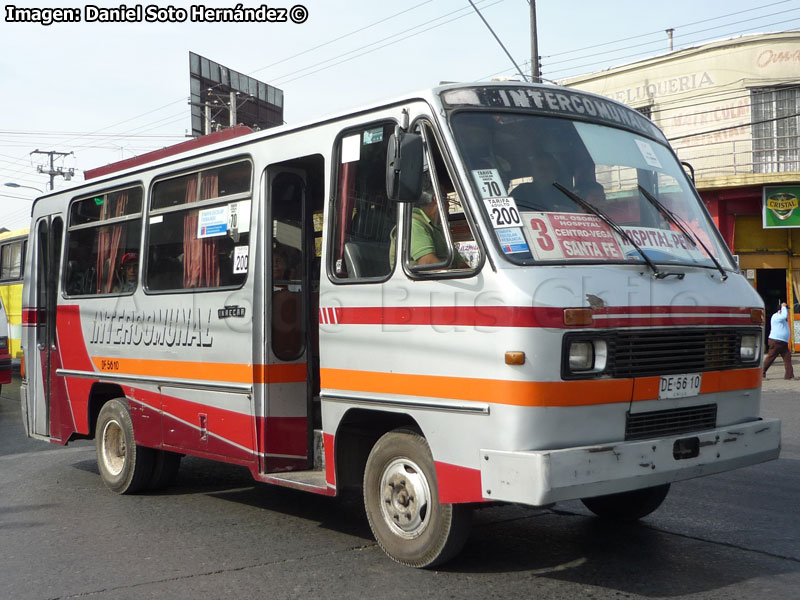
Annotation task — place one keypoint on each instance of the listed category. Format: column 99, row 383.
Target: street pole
column 54, row 171
column 535, row 75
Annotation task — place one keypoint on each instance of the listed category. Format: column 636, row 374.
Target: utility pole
column 52, row 172
column 536, row 76
column 232, row 108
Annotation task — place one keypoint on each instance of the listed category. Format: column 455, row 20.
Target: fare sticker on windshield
column 570, row 236
column 502, row 212
column 648, row 154
column 512, row 241
column 489, row 183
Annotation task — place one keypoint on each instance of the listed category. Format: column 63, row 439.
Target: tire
column 401, row 501
column 125, row 467
column 165, row 469
column 628, row 506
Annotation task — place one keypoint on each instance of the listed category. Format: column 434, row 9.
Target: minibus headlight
column 748, row 350
column 587, row 356
column 581, row 356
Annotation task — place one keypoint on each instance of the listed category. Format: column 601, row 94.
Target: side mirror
column 404, row 167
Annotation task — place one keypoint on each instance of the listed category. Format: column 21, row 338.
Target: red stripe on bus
column 522, row 316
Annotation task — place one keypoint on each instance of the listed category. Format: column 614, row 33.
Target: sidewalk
column 774, row 381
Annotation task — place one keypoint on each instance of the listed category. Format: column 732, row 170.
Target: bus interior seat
column 366, row 259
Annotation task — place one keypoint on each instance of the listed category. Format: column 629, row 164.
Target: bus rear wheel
column 628, row 506
column 401, row 501
column 125, row 467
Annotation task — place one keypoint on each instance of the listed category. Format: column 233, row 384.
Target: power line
column 259, row 69
column 499, row 41
column 699, row 133
column 281, row 80
column 54, row 134
column 14, row 197
column 661, row 31
column 341, row 37
column 660, row 41
column 637, row 54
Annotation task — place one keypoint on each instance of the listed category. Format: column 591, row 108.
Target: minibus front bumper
column 546, row 476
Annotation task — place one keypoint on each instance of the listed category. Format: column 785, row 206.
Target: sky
column 106, row 91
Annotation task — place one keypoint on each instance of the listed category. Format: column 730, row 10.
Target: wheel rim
column 405, row 498
column 113, row 448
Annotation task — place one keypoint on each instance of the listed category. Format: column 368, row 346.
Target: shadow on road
column 547, row 544
column 630, row 558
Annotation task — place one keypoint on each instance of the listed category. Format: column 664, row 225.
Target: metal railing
column 747, row 156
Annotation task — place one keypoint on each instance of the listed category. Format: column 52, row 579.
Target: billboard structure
column 221, row 97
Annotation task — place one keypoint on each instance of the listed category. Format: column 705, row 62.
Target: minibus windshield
column 536, row 174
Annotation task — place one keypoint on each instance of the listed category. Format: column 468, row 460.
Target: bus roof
column 236, row 135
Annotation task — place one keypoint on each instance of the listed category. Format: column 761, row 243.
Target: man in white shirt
column 778, row 342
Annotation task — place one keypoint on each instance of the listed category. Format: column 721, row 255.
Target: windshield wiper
column 611, row 223
column 677, row 222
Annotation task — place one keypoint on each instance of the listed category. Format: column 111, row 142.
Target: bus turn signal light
column 515, row 358
column 757, row 315
column 577, row 316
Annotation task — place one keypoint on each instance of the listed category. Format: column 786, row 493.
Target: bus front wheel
column 628, row 506
column 401, row 501
column 125, row 467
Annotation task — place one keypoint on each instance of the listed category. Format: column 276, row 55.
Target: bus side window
column 11, row 260
column 365, row 218
column 103, row 230
column 199, row 229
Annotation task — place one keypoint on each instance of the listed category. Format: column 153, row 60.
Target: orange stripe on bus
column 203, row 371
column 495, row 391
column 280, row 373
column 728, row 381
column 525, row 393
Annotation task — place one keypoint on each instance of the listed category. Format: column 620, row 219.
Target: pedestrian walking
column 778, row 342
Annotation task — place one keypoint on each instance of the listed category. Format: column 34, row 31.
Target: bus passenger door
column 44, row 389
column 291, row 320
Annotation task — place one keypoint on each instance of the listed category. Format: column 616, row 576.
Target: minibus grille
column 674, row 421
column 664, row 352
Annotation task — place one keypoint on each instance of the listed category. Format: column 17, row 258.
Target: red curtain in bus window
column 200, row 255
column 347, row 195
column 109, row 241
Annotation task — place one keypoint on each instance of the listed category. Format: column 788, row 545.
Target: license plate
column 680, row 386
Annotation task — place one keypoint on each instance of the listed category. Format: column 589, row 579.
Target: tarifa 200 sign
column 781, row 206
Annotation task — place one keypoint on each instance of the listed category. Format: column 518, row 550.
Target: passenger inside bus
column 129, row 267
column 428, row 244
column 541, row 194
column 285, row 267
column 594, row 194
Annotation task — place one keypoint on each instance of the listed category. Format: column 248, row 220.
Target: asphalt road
column 218, row 534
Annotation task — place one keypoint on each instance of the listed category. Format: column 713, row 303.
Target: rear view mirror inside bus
column 404, row 167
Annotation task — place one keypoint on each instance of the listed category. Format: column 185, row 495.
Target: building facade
column 731, row 109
